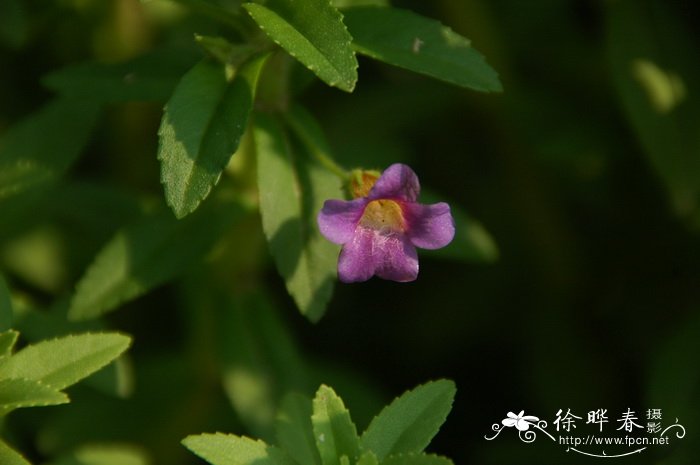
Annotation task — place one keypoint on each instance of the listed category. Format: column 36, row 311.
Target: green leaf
column 368, row 458
column 9, row 456
column 335, row 432
column 411, row 421
column 201, row 129
column 652, row 60
column 405, row 39
column 147, row 254
column 312, row 31
column 41, row 147
column 6, row 312
column 227, row 449
column 17, row 392
column 106, row 454
column 7, row 342
column 151, row 77
column 64, row 361
column 472, row 242
column 292, row 191
column 416, row 459
column 295, row 433
column 260, row 360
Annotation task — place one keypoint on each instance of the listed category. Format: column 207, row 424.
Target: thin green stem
column 320, row 153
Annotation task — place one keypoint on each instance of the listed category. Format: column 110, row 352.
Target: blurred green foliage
column 585, row 171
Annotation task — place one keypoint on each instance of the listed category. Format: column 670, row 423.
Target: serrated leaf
column 41, row 147
column 147, row 254
column 405, row 39
column 64, row 361
column 292, row 191
column 312, row 31
column 411, row 421
column 6, row 312
column 227, row 449
column 7, row 342
column 151, row 77
column 201, row 129
column 9, row 456
column 416, row 459
column 335, row 433
column 294, row 429
column 18, row 392
column 367, row 458
column 472, row 242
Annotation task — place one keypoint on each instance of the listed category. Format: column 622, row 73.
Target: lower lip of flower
column 383, row 215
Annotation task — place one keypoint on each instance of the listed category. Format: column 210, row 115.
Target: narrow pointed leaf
column 64, row 361
column 405, row 39
column 17, row 392
column 334, row 430
column 295, row 432
column 292, row 191
column 416, row 459
column 227, row 449
column 147, row 254
column 7, row 342
column 9, row 456
column 41, row 147
column 312, row 31
column 411, row 421
column 201, row 129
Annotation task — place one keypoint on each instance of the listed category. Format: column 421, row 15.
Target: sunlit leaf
column 292, row 191
column 147, row 254
column 106, row 454
column 227, row 449
column 411, row 421
column 201, row 129
column 64, row 361
column 7, row 342
column 333, row 428
column 312, row 31
column 17, row 392
column 405, row 39
column 9, row 456
column 41, row 147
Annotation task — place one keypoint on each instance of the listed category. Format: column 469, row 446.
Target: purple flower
column 380, row 230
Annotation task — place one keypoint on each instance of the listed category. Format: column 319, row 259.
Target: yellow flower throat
column 383, row 215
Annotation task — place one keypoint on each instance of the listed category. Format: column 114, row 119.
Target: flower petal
column 356, row 262
column 399, row 260
column 338, row 219
column 429, row 226
column 509, row 422
column 396, row 182
column 370, row 252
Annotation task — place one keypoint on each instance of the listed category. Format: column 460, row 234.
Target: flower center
column 383, row 215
